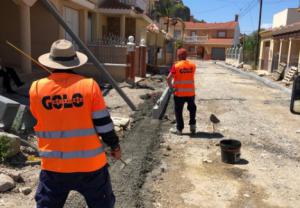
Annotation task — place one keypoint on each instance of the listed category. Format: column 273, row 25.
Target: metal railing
column 195, row 39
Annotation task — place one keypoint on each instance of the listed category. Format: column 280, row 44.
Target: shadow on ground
column 205, row 135
column 242, row 162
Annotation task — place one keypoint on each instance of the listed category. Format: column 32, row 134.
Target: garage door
column 218, row 54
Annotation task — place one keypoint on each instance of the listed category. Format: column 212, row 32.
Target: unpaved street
column 191, row 173
column 169, row 171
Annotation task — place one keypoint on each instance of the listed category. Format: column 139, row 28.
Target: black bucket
column 230, row 151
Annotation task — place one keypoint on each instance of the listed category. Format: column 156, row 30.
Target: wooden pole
column 28, row 56
column 53, row 10
column 258, row 35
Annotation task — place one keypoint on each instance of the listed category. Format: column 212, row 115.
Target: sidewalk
column 266, row 80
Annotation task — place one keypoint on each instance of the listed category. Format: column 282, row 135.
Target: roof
column 205, row 26
column 292, row 28
column 219, row 41
column 114, row 4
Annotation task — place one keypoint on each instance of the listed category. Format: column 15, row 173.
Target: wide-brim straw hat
column 63, row 56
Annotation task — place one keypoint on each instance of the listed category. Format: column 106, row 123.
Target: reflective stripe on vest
column 65, row 134
column 184, row 79
column 68, row 140
column 184, row 82
column 100, row 114
column 104, row 129
column 71, row 155
column 185, row 89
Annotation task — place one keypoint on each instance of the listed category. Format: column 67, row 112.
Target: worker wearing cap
column 183, row 87
column 71, row 115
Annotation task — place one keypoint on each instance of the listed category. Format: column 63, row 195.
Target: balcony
column 196, row 39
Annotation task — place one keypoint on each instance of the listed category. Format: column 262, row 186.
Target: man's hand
column 172, row 90
column 116, row 153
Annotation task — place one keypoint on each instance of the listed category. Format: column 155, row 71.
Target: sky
column 224, row 10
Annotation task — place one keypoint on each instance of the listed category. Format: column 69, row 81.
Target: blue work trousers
column 53, row 188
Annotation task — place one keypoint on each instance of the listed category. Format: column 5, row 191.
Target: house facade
column 33, row 29
column 122, row 18
column 281, row 43
column 210, row 40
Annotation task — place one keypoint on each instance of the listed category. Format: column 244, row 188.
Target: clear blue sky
column 224, row 10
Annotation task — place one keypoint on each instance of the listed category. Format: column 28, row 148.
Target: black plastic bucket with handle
column 230, row 151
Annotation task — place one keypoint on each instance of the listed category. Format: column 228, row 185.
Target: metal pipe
column 52, row 9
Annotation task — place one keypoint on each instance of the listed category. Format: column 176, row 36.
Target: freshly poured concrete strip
column 161, row 104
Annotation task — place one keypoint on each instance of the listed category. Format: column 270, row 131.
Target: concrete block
column 8, row 111
column 161, row 105
column 24, row 121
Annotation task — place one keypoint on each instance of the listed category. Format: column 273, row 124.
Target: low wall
column 117, row 71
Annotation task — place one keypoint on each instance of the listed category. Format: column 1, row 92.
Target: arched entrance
column 200, row 52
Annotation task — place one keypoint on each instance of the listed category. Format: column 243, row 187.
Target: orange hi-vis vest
column 184, row 72
column 64, row 105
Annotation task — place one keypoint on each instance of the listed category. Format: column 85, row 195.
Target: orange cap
column 181, row 53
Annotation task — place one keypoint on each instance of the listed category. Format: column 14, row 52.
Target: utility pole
column 258, row 30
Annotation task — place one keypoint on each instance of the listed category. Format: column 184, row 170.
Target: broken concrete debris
column 6, row 183
column 15, row 175
column 169, row 148
column 10, row 143
column 121, row 122
column 25, row 190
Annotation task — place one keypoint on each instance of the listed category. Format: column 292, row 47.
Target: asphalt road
column 191, row 173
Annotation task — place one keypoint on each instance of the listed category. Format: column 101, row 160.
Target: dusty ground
column 191, row 174
column 137, row 142
column 169, row 171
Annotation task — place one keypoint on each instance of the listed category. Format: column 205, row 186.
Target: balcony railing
column 196, row 39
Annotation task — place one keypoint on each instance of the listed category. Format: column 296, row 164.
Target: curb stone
column 265, row 81
column 161, row 105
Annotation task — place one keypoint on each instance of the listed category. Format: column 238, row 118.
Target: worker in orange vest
column 183, row 87
column 71, row 115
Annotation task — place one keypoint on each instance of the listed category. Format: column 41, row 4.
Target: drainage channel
column 139, row 146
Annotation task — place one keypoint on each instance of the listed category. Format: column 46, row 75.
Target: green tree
column 172, row 8
column 181, row 11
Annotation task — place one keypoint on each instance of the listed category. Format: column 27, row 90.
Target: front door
column 266, row 58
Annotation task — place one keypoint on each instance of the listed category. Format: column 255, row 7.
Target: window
column 221, row 34
column 193, row 33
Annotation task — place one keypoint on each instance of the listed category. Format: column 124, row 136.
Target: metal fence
column 111, row 49
column 107, row 53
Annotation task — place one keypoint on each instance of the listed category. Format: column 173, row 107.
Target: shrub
column 4, row 148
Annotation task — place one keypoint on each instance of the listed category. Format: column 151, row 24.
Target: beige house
column 32, row 28
column 281, row 43
column 122, row 19
column 210, row 40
